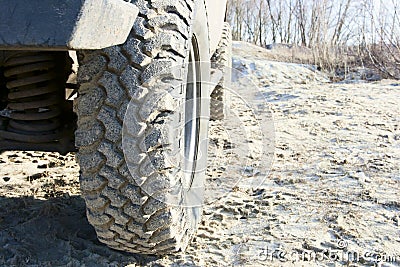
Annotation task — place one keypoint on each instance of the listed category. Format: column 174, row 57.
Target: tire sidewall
column 195, row 195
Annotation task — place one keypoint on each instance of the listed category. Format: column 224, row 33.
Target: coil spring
column 35, row 97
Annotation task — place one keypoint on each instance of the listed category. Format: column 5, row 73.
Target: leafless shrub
column 342, row 35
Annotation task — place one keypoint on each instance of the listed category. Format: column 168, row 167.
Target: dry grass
column 370, row 63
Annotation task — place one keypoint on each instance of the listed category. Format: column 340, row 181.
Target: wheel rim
column 192, row 115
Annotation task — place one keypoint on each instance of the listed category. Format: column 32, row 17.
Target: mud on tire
column 126, row 181
column 222, row 60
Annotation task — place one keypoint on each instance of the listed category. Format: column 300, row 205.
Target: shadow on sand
column 54, row 232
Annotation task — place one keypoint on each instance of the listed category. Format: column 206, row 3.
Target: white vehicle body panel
column 216, row 15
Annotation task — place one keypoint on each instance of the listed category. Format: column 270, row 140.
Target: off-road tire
column 127, row 160
column 222, row 60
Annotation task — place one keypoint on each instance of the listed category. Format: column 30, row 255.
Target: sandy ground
column 303, row 173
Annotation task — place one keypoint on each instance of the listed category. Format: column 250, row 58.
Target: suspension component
column 36, row 89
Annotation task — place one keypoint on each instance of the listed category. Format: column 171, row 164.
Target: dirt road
column 327, row 191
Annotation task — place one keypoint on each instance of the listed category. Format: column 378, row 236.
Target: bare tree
column 341, row 18
column 331, row 28
column 302, row 21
